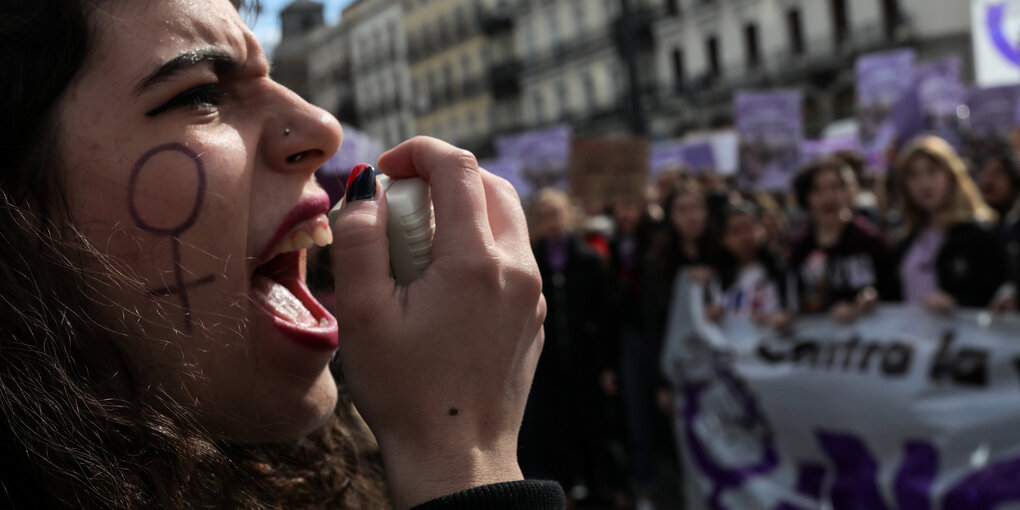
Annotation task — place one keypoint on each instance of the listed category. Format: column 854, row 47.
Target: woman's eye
column 208, row 95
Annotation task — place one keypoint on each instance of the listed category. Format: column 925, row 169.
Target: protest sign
column 900, row 409
column 696, row 157
column 994, row 25
column 941, row 94
column 883, row 79
column 770, row 129
column 604, row 169
column 814, row 149
column 992, row 111
column 544, row 155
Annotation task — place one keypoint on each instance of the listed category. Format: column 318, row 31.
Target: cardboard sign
column 603, row 170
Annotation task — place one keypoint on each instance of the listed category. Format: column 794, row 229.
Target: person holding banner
column 837, row 263
column 948, row 258
column 748, row 281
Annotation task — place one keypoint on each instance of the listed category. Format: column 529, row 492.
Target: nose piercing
column 286, row 131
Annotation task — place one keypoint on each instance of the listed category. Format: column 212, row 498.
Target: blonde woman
column 948, row 257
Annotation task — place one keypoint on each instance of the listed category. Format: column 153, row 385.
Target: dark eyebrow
column 184, row 61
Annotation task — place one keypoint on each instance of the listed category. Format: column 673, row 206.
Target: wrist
column 416, row 474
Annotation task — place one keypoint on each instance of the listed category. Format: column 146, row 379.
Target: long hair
column 964, row 203
column 73, row 431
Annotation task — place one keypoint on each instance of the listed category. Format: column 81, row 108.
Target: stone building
column 707, row 49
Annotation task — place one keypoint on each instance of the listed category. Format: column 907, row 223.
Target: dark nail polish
column 361, row 183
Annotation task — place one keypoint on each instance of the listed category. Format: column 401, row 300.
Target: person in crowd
column 159, row 347
column 774, row 222
column 838, row 262
column 563, row 436
column 637, row 359
column 998, row 179
column 748, row 280
column 948, row 258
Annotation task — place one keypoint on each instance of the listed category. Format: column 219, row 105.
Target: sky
column 267, row 28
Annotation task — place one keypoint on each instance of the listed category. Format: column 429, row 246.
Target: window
column 588, row 84
column 751, row 45
column 562, row 98
column 554, row 29
column 673, row 7
column 679, row 72
column 840, row 25
column 538, row 105
column 712, row 55
column 795, row 31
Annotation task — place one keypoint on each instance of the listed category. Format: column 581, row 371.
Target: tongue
column 282, row 302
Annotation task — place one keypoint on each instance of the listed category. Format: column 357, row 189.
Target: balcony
column 496, row 21
column 504, row 78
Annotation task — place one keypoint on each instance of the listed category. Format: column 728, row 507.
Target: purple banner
column 883, row 79
column 992, row 111
column 544, row 155
column 771, row 131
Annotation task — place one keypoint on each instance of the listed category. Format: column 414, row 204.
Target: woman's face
column 927, row 184
column 995, row 184
column 741, row 237
column 688, row 215
column 829, row 196
column 185, row 163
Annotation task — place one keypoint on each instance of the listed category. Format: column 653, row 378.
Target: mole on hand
column 453, row 411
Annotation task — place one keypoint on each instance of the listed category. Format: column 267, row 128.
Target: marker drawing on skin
column 180, row 287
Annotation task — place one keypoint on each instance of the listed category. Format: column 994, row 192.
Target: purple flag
column 771, row 130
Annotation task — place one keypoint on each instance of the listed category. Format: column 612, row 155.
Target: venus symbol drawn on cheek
column 179, row 287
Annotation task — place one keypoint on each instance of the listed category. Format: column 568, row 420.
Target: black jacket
column 970, row 266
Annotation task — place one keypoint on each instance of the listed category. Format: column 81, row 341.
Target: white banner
column 901, row 409
column 995, row 26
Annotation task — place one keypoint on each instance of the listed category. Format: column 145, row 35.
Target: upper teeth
column 316, row 233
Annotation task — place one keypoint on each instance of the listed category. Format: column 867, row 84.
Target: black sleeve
column 525, row 494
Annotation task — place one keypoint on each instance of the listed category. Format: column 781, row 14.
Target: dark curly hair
column 75, row 431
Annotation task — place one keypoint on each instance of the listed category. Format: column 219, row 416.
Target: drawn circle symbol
column 133, row 184
column 996, row 29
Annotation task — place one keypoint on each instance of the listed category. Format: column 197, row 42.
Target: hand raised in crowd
column 939, row 302
column 701, row 274
column 441, row 369
column 715, row 313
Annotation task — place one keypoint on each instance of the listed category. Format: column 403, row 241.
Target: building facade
column 380, row 69
column 448, row 53
column 290, row 59
column 706, row 49
column 576, row 64
column 469, row 70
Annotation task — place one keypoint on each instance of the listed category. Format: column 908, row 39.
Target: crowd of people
column 939, row 229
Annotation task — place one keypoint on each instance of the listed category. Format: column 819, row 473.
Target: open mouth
column 278, row 287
